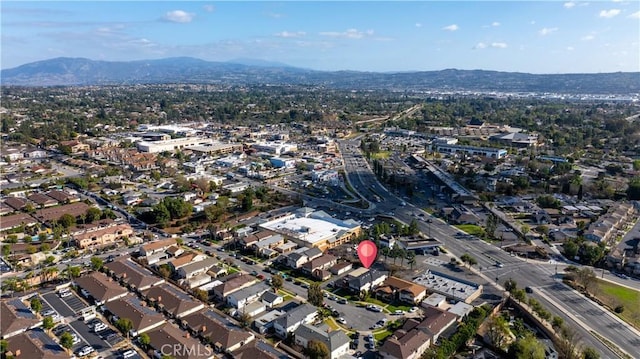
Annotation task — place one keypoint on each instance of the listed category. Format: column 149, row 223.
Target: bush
column 619, row 309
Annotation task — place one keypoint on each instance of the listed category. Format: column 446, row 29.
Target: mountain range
column 65, row 71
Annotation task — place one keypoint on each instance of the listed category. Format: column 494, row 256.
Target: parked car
column 65, row 293
column 341, row 320
column 99, row 327
column 86, row 350
column 342, row 301
column 129, row 354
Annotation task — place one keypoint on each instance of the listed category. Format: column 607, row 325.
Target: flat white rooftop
column 308, row 229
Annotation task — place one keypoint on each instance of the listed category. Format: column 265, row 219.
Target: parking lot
column 59, row 330
column 100, row 341
column 68, row 306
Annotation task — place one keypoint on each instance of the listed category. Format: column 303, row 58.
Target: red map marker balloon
column 367, row 252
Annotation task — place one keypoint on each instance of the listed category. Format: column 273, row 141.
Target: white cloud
column 608, row 14
column 289, row 34
column 349, row 34
column 587, row 38
column 452, row 27
column 480, row 45
column 635, row 15
column 547, row 30
column 179, row 16
column 208, row 8
column 569, row 5
column 570, row 48
column 495, row 24
column 532, row 22
column 499, row 45
column 418, row 24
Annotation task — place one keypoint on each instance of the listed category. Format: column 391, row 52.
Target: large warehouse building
column 309, row 228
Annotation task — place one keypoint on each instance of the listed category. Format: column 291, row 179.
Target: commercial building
column 180, row 144
column 309, row 228
column 490, row 152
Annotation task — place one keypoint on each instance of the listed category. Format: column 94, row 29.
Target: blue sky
column 523, row 36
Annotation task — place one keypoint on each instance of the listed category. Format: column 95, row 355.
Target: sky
column 383, row 36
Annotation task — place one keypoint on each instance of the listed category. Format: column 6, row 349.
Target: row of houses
column 152, row 304
column 605, row 228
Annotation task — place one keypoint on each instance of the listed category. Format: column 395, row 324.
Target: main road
column 580, row 313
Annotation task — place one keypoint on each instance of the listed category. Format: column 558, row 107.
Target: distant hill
column 80, row 71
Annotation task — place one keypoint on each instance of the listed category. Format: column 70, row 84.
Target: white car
column 399, row 312
column 129, row 354
column 413, row 309
column 86, row 350
column 341, row 320
column 65, row 293
column 99, row 327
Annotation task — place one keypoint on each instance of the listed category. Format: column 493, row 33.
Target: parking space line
column 47, row 302
column 65, row 303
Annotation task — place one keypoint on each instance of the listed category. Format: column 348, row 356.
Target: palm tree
column 412, row 260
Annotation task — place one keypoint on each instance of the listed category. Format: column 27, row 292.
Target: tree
column 144, row 340
column 411, row 259
column 314, row 294
column 510, row 285
column 4, row 345
column 317, row 350
column 96, row 263
column 491, row 225
column 67, row 220
column 73, row 272
column 568, row 345
column 277, row 282
column 590, row 353
column 557, row 322
column 6, row 250
column 570, row 248
column 244, row 320
column 633, row 191
column 586, row 277
column 498, row 331
column 519, row 295
column 164, row 270
column 527, row 347
column 47, row 323
column 93, row 214
column 466, row 258
column 201, row 294
column 124, row 325
column 36, row 305
column 247, row 199
column 66, row 341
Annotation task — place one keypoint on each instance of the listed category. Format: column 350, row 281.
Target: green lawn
column 381, row 335
column 472, row 229
column 392, row 308
column 382, row 155
column 332, row 324
column 614, row 295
